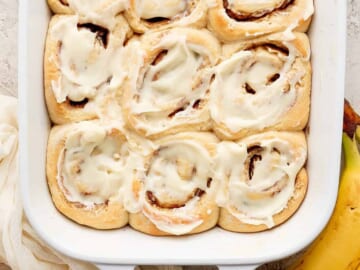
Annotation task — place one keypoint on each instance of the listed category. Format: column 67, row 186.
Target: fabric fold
column 20, row 247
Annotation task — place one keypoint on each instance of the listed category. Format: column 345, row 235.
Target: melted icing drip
column 161, row 11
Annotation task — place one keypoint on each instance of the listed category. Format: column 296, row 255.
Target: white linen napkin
column 20, row 247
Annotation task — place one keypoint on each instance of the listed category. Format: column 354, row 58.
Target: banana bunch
column 338, row 246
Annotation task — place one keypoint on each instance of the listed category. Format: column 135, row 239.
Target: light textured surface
column 353, row 54
column 8, row 45
column 8, row 71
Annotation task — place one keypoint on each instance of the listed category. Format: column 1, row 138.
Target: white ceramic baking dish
column 217, row 247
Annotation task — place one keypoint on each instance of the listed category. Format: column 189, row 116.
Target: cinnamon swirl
column 177, row 191
column 243, row 19
column 263, row 84
column 83, row 68
column 144, row 15
column 168, row 87
column 263, row 180
column 89, row 171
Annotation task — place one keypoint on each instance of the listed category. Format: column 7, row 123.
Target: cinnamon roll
column 177, row 191
column 243, row 19
column 83, row 68
column 263, row 180
column 144, row 15
column 168, row 88
column 260, row 85
column 89, row 172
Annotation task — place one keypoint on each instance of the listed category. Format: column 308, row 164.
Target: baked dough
column 87, row 169
column 262, row 84
column 145, row 15
column 167, row 89
column 263, row 180
column 177, row 191
column 88, row 7
column 83, row 68
column 233, row 20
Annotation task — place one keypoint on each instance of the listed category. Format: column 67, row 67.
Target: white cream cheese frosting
column 95, row 166
column 254, row 88
column 148, row 9
column 253, row 178
column 260, row 176
column 88, row 61
column 186, row 163
column 169, row 89
column 99, row 11
column 178, row 175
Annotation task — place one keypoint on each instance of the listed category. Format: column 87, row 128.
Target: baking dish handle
column 238, row 267
column 115, row 267
column 132, row 267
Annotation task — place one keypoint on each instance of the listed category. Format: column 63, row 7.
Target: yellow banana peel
column 338, row 246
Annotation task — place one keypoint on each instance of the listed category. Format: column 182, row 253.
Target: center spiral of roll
column 172, row 79
column 171, row 88
column 93, row 166
column 262, row 184
column 249, row 83
column 177, row 173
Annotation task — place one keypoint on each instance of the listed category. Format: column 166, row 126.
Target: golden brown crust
column 142, row 224
column 59, row 113
column 297, row 146
column 105, row 216
column 67, row 111
column 60, row 6
column 231, row 223
column 297, row 116
column 228, row 29
column 195, row 17
column 206, row 208
column 200, row 120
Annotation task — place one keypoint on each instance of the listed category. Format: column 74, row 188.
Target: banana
column 338, row 246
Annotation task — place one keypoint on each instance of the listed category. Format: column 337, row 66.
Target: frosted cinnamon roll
column 262, row 84
column 168, row 88
column 89, row 171
column 177, row 191
column 263, row 179
column 243, row 19
column 144, row 15
column 83, row 68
